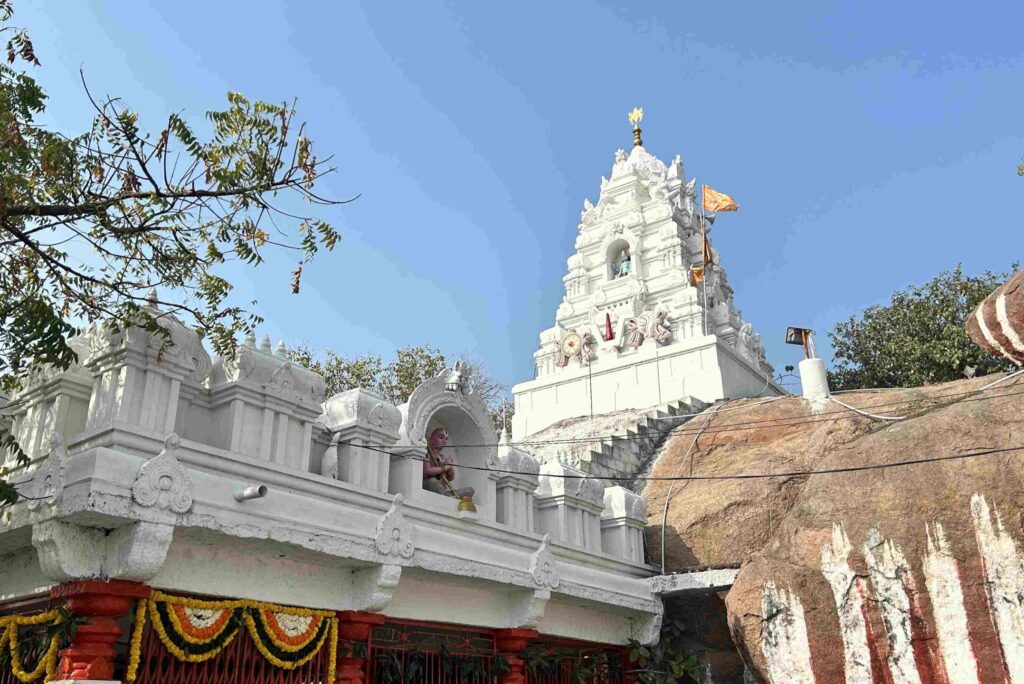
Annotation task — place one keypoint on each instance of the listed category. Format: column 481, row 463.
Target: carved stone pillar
column 354, row 628
column 91, row 653
column 510, row 644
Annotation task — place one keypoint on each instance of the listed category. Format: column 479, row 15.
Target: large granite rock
column 908, row 574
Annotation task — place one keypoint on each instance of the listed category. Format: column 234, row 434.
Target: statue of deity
column 439, row 468
column 625, row 266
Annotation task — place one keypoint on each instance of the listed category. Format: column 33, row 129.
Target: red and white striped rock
column 997, row 324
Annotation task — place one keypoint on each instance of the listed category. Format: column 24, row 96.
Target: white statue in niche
column 623, row 264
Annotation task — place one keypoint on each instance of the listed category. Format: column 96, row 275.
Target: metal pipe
column 251, row 492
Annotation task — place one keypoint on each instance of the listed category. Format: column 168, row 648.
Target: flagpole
column 703, row 252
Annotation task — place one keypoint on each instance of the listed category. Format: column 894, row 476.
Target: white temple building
column 172, row 498
column 632, row 332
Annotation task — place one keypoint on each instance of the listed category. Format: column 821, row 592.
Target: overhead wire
column 783, row 421
column 668, row 495
column 736, row 476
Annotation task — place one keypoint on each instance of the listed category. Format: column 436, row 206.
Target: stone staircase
column 625, row 442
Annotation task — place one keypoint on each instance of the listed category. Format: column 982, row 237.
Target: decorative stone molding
column 528, row 610
column 163, row 482
column 558, row 478
column 137, row 551
column 620, row 502
column 431, row 396
column 180, row 348
column 520, row 463
column 269, row 373
column 374, row 587
column 67, row 551
column 360, row 408
column 543, row 567
column 395, row 535
column 647, row 628
column 44, row 490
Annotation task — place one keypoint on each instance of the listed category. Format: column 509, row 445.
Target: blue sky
column 870, row 145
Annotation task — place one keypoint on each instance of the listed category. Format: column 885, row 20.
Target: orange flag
column 705, row 249
column 718, row 201
column 696, row 275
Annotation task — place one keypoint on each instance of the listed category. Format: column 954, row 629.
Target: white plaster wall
column 20, row 575
column 431, row 597
column 219, row 566
column 704, row 368
column 573, row 620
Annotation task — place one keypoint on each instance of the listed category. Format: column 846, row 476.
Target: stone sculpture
column 439, row 468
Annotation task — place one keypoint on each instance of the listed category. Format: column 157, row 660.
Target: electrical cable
column 737, row 476
column 865, row 413
column 785, row 421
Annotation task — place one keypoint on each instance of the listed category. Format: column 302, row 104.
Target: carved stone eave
column 528, row 609
column 361, row 408
column 543, row 566
column 560, row 480
column 375, row 587
column 623, row 504
column 163, row 482
column 268, row 373
column 43, row 491
column 67, row 551
column 180, row 352
column 647, row 628
column 395, row 536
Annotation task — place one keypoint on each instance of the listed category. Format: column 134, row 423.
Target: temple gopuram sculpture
column 657, row 338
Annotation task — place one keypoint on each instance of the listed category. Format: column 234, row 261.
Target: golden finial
column 635, row 117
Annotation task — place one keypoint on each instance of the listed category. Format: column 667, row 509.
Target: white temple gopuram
column 632, row 332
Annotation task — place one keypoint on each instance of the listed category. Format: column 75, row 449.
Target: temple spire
column 635, row 117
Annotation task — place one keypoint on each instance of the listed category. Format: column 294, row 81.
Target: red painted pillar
column 354, row 627
column 628, row 677
column 91, row 654
column 510, row 644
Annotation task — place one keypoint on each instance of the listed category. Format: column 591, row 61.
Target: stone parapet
column 622, row 524
column 264, row 405
column 517, row 486
column 362, row 425
column 569, row 505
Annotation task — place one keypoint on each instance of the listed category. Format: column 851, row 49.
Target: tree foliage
column 396, row 380
column 918, row 338
column 90, row 222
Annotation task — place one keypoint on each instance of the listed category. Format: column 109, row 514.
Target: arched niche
column 471, row 440
column 613, row 255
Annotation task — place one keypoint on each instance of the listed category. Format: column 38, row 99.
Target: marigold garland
column 135, row 651
column 266, row 623
column 275, row 651
column 47, row 664
column 179, row 645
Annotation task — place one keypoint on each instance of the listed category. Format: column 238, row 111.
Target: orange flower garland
column 194, row 630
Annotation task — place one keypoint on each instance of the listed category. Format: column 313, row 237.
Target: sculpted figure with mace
column 439, row 471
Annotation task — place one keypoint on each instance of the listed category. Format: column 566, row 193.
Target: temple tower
column 633, row 331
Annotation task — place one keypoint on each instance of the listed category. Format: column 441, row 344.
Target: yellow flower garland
column 48, row 663
column 135, row 651
column 332, row 657
column 145, row 608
